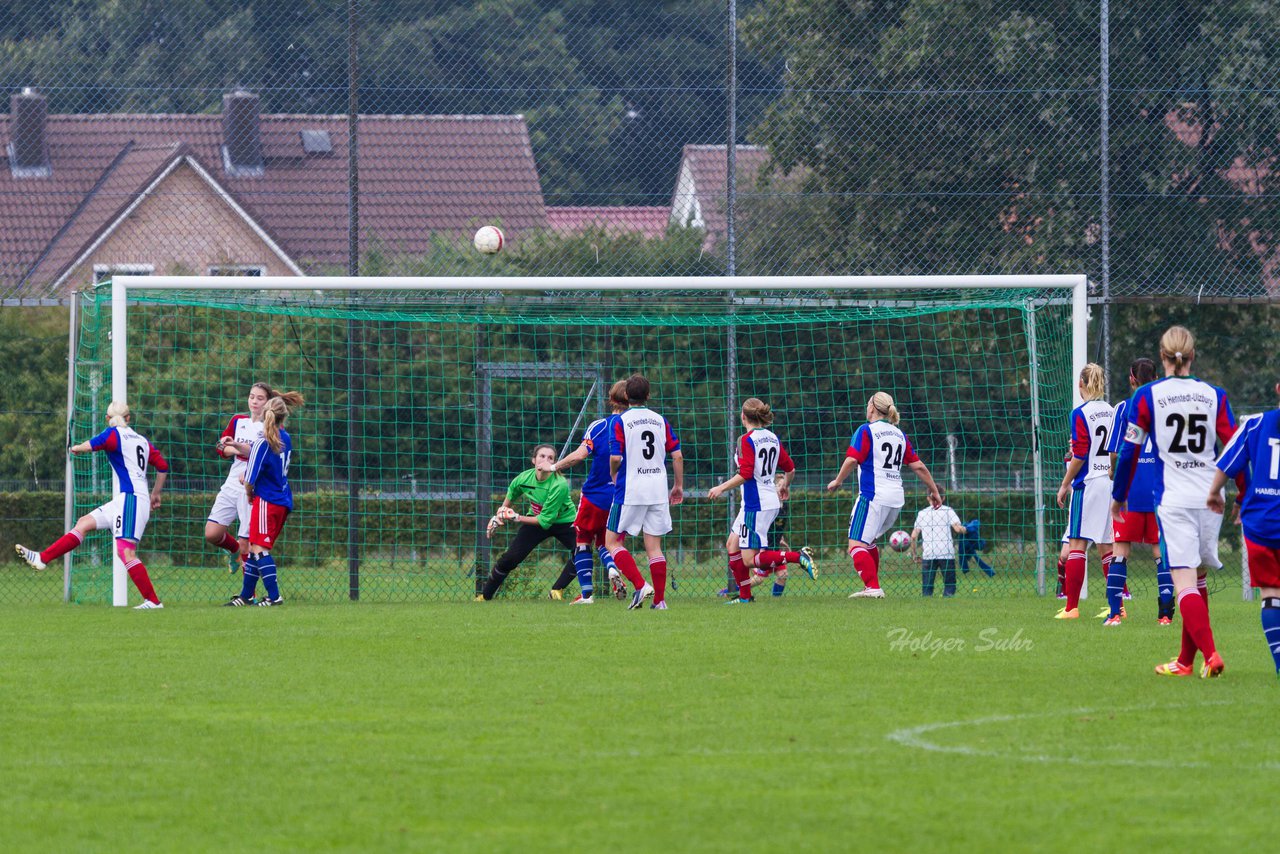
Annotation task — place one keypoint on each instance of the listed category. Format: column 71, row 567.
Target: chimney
column 241, row 138
column 28, row 142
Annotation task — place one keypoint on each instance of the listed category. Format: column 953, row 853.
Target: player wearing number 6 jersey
column 1084, row 485
column 1255, row 451
column 764, row 472
column 1182, row 415
column 879, row 450
column 126, row 514
column 638, row 449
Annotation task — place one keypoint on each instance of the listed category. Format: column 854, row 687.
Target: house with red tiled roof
column 647, row 221
column 701, row 192
column 244, row 192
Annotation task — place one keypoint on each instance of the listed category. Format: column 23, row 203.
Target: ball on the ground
column 899, row 540
column 489, row 240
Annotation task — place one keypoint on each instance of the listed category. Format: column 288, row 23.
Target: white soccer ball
column 899, row 541
column 489, row 240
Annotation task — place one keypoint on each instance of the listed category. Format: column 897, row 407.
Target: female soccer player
column 126, row 514
column 231, row 504
column 266, row 485
column 552, row 516
column 597, row 497
column 1182, row 415
column 1255, row 449
column 638, row 451
column 764, row 471
column 1140, row 519
column 1084, row 485
column 880, row 450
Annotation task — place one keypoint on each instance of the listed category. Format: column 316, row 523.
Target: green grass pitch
column 803, row 723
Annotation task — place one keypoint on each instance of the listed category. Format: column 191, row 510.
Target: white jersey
column 1183, row 416
column 643, row 438
column 241, row 429
column 1090, row 432
column 935, row 530
column 130, row 455
column 759, row 458
column 881, row 450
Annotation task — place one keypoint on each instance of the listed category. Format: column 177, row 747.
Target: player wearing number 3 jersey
column 1183, row 416
column 126, row 514
column 879, row 450
column 638, row 449
column 1084, row 485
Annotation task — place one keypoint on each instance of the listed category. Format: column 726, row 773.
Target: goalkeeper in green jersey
column 551, row 514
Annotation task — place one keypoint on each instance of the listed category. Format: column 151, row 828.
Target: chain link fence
column 1134, row 142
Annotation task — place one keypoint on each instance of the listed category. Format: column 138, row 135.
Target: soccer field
column 794, row 724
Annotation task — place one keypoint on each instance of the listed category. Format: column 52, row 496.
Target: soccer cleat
column 1212, row 667
column 1067, row 614
column 1126, row 595
column 659, row 606
column 807, row 563
column 270, row 603
column 617, row 586
column 237, row 602
column 555, row 594
column 31, row 556
column 637, row 598
column 1062, row 596
column 1112, row 621
column 1173, row 668
column 868, row 593
column 584, row 600
column 1103, row 614
column 148, row 605
column 479, row 598
column 737, row 600
column 1165, row 621
column 233, row 563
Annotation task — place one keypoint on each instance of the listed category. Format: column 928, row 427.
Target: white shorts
column 125, row 516
column 1089, row 513
column 871, row 520
column 636, row 519
column 752, row 527
column 1189, row 537
column 230, row 505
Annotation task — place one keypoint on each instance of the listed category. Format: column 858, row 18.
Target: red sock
column 658, row 572
column 1187, row 654
column 627, row 566
column 1062, row 576
column 739, row 570
column 229, row 543
column 62, row 545
column 1202, row 587
column 1075, row 577
column 874, row 551
column 1106, row 567
column 770, row 560
column 142, row 581
column 866, row 567
column 1195, row 619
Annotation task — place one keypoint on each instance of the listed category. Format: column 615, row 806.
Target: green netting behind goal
column 422, row 406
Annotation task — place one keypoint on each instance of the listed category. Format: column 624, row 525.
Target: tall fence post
column 355, row 373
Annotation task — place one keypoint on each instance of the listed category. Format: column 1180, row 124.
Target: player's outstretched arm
column 567, row 462
column 846, row 467
column 922, row 472
column 721, row 488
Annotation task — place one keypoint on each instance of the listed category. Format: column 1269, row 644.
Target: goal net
column 424, row 398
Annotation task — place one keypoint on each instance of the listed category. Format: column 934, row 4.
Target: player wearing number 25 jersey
column 1182, row 415
column 638, row 449
column 879, row 450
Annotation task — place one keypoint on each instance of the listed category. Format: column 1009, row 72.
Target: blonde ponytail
column 1178, row 347
column 756, row 411
column 274, row 414
column 1093, row 381
column 117, row 413
column 882, row 402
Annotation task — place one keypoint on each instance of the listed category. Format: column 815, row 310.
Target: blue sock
column 267, row 566
column 1116, row 577
column 606, row 559
column 582, row 565
column 779, row 589
column 251, row 573
column 1164, row 583
column 1271, row 628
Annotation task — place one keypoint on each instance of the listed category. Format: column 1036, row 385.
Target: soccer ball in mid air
column 899, row 540
column 489, row 240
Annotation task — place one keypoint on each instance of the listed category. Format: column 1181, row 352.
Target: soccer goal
column 425, row 397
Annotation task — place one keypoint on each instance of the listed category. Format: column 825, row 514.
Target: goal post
column 947, row 347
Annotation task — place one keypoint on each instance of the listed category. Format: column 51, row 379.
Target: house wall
column 183, row 227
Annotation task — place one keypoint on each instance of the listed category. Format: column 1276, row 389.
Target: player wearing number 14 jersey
column 879, row 450
column 1182, row 415
column 638, row 449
